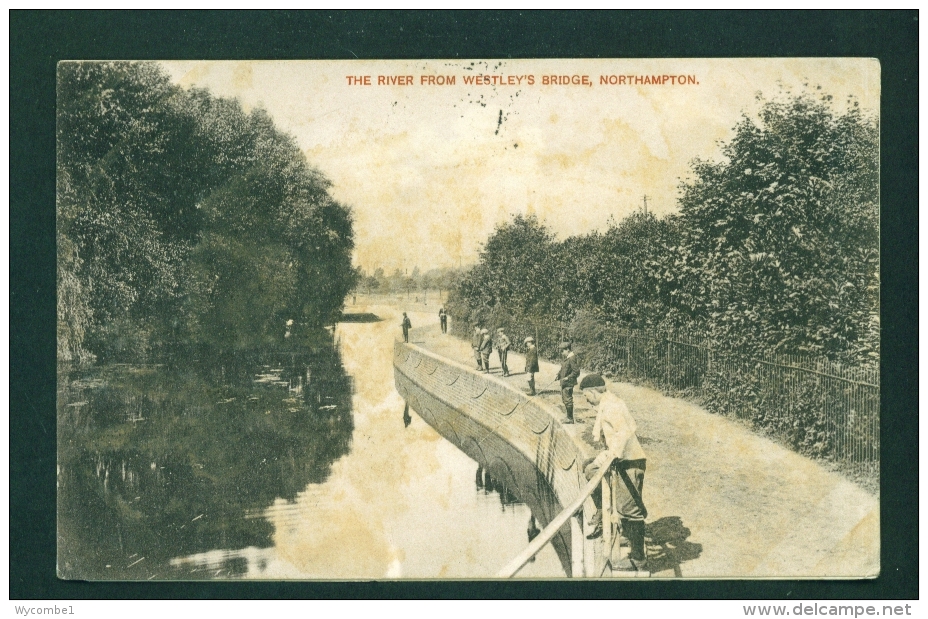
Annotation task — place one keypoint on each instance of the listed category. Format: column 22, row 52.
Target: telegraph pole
column 645, row 199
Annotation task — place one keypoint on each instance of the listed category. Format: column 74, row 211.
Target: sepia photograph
column 468, row 319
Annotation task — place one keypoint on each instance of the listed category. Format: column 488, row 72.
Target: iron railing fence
column 819, row 407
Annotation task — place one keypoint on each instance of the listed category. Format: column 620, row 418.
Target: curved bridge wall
column 429, row 383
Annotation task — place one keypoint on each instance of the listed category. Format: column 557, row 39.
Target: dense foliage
column 774, row 249
column 779, row 244
column 182, row 218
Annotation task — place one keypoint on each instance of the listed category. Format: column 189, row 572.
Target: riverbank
column 723, row 501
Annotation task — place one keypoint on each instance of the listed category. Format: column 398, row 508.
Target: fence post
column 576, row 547
column 589, row 553
column 606, row 502
column 667, row 371
column 708, row 375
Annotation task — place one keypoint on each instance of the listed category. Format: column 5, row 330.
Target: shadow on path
column 668, row 547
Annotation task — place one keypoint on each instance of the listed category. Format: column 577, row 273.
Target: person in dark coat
column 502, row 349
column 407, row 325
column 486, row 347
column 531, row 362
column 443, row 320
column 475, row 340
column 567, row 375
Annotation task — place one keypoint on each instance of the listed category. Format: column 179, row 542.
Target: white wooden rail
column 577, row 538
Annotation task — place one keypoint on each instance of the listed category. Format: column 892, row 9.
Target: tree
column 515, row 268
column 379, row 281
column 779, row 242
column 618, row 273
column 167, row 199
column 113, row 124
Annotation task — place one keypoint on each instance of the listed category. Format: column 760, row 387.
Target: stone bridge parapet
column 491, row 410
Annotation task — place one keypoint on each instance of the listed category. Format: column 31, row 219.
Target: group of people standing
column 483, row 344
column 614, row 427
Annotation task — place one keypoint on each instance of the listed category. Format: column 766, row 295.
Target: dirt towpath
column 723, row 502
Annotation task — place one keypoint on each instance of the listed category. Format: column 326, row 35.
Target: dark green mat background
column 39, row 39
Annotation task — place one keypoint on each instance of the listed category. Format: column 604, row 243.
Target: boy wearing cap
column 502, row 349
column 567, row 375
column 531, row 362
column 486, row 347
column 407, row 325
column 475, row 340
column 616, row 426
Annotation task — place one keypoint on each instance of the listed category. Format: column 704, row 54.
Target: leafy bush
column 774, row 249
column 778, row 242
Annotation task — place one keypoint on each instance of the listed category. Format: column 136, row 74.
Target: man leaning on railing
column 615, row 424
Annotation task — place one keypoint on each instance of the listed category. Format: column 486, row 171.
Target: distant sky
column 430, row 170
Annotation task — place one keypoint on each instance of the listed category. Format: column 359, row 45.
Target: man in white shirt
column 616, row 426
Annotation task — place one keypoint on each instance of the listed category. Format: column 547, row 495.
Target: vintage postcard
column 468, row 319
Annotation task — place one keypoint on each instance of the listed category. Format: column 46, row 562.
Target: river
column 296, row 465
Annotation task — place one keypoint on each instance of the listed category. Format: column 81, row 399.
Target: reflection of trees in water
column 161, row 462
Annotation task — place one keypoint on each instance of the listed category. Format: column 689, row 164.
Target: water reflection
column 158, row 462
column 532, row 532
column 503, row 470
column 407, row 418
column 243, row 487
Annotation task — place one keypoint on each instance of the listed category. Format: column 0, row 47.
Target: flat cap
column 592, row 380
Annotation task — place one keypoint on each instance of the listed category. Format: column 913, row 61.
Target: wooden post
column 708, row 375
column 616, row 553
column 607, row 518
column 589, row 545
column 576, row 548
